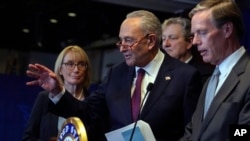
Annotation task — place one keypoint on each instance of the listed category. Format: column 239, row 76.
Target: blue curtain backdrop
column 15, row 105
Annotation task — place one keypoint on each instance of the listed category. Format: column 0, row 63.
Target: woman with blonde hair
column 72, row 67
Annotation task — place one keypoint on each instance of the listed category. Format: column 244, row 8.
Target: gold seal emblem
column 72, row 129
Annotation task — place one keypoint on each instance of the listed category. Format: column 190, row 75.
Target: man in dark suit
column 177, row 42
column 169, row 105
column 217, row 27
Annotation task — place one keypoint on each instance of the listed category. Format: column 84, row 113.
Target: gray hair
column 150, row 23
column 184, row 22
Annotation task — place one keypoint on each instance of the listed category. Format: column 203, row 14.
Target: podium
column 72, row 129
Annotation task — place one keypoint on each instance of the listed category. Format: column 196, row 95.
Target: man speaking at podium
column 167, row 107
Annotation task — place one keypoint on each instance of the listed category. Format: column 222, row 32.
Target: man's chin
column 129, row 63
column 205, row 59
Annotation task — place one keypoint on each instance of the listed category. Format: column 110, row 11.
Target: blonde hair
column 78, row 52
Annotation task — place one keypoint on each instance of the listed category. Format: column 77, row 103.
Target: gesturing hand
column 45, row 78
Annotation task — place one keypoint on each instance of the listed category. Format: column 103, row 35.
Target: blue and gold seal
column 72, row 130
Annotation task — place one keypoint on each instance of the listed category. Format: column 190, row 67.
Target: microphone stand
column 149, row 88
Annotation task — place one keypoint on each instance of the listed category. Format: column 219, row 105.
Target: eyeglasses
column 129, row 42
column 71, row 66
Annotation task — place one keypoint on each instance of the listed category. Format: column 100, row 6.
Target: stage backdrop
column 15, row 105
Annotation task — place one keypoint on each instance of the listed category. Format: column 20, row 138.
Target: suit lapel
column 230, row 83
column 126, row 105
column 200, row 109
column 162, row 80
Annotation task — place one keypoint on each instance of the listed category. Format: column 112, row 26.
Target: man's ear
column 227, row 29
column 190, row 42
column 151, row 40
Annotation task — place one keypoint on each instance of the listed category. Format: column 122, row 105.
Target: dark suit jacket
column 230, row 106
column 42, row 124
column 205, row 69
column 168, row 108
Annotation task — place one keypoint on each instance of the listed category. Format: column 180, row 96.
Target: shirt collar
column 153, row 67
column 231, row 60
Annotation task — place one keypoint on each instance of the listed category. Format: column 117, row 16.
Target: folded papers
column 142, row 132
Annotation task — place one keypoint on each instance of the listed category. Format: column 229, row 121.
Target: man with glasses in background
column 169, row 104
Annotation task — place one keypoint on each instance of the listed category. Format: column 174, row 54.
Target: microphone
column 149, row 88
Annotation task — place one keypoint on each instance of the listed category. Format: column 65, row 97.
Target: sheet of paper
column 137, row 136
column 142, row 132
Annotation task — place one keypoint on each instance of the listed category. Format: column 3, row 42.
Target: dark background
column 95, row 20
column 96, row 25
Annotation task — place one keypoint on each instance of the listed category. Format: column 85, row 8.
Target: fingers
column 34, row 70
column 39, row 83
column 53, row 75
column 32, row 74
column 38, row 68
column 42, row 68
column 45, row 77
column 31, row 83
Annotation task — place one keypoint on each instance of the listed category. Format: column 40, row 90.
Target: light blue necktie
column 211, row 89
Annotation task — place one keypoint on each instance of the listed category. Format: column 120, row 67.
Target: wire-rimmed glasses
column 129, row 42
